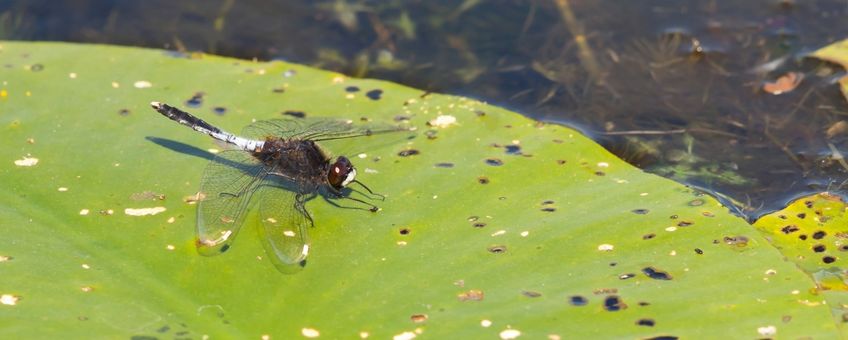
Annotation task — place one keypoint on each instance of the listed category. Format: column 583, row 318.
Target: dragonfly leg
column 382, row 197
column 301, row 208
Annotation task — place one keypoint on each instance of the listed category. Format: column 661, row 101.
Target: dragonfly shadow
column 181, row 147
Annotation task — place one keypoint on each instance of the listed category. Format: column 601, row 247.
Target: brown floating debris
column 785, row 83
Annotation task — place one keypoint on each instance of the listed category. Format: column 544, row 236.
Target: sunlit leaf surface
column 493, row 225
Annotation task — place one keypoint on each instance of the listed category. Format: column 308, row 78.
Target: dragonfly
column 279, row 165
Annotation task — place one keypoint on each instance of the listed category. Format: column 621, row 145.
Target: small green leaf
column 813, row 233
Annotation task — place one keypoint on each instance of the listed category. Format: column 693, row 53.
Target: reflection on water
column 675, row 87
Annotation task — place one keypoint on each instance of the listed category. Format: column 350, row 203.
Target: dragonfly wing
column 317, row 129
column 225, row 190
column 285, row 223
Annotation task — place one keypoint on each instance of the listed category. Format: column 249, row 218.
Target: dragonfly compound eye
column 341, row 173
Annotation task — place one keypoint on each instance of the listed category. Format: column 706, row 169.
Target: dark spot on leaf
column 802, row 237
column 640, row 211
column 513, row 149
column 530, row 294
column 843, row 247
column 374, row 94
column 685, row 223
column 643, row 303
column 483, row 180
column 613, row 264
column 296, row 114
column 600, row 173
column 699, row 251
column 479, row 225
column 219, row 110
column 494, row 162
column 351, row 89
column 656, row 274
column 407, row 153
column 696, row 202
column 418, row 318
column 497, row 249
column 278, row 90
column 196, row 100
column 36, row 67
column 781, row 216
column 578, row 300
column 225, row 248
column 645, row 322
column 828, row 259
column 739, row 241
column 626, row 276
column 663, row 337
column 789, row 229
column 613, row 303
column 648, row 236
column 164, row 329
column 801, row 215
column 425, row 94
column 444, row 165
column 124, row 112
column 401, row 118
column 548, row 209
column 561, row 161
column 819, row 248
column 808, row 204
column 404, row 231
column 819, row 235
column 673, row 217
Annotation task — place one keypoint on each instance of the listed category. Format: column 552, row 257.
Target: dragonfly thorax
column 297, row 159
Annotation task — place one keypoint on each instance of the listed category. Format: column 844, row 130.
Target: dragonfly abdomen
column 199, row 125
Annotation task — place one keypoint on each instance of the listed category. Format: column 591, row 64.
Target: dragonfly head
column 341, row 173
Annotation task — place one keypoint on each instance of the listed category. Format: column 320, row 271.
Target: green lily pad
column 813, row 233
column 495, row 226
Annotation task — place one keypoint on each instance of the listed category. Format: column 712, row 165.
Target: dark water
column 674, row 87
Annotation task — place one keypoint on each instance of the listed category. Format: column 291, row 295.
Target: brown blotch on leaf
column 497, row 249
column 471, row 295
column 739, row 241
column 530, row 294
column 418, row 318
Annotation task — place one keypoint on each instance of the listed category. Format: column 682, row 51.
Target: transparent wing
column 317, row 129
column 285, row 223
column 226, row 187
